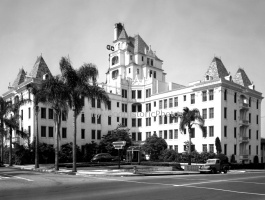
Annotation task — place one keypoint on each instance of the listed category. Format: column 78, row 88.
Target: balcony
column 243, row 139
column 243, row 122
column 243, row 106
column 244, row 155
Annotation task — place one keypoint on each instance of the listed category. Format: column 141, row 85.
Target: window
column 93, row 119
column 204, row 113
column 234, row 132
column 249, row 149
column 139, row 108
column 257, row 135
column 115, row 60
column 192, row 135
column 43, row 131
column 82, row 117
column 148, row 59
column 64, row 133
column 124, row 107
column 98, row 119
column 204, row 133
column 249, row 102
column 50, row 113
column 109, row 120
column 211, row 131
column 43, row 113
column 118, row 119
column 175, row 101
column 133, row 94
column 257, row 119
column 170, row 102
column 210, row 95
column 139, row 122
column 225, row 149
column 50, row 131
column 211, row 113
column 138, row 71
column 109, row 105
column 93, row 134
column 142, row 58
column 160, row 119
column 225, row 112
column 160, row 104
column 165, row 119
column 257, row 150
column 148, row 121
column 204, row 147
column 235, row 97
column 29, row 130
column 171, row 118
column 225, row 131
column 165, row 134
column 133, row 122
column 249, row 133
column 148, row 107
column 98, row 134
column 124, row 121
column 64, row 116
column 133, row 136
column 118, row 104
column 257, row 106
column 154, row 74
column 176, row 148
column 21, row 115
column 152, row 62
column 184, row 98
column 235, row 149
column 139, row 94
column 29, row 111
column 139, row 136
column 204, row 96
column 192, row 98
column 82, row 133
column 175, row 133
column 165, row 103
column 170, row 134
column 124, row 93
column 234, row 114
column 133, row 108
column 148, row 93
column 148, row 134
column 211, row 148
column 249, row 117
column 93, row 103
column 225, row 95
column 98, row 103
column 131, row 57
column 29, row 97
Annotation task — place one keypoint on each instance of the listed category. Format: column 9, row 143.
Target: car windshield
column 210, row 162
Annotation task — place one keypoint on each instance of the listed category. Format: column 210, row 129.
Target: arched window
column 16, row 99
column 115, row 60
column 115, row 74
column 207, row 77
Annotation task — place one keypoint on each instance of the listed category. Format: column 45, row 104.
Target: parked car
column 214, row 166
column 104, row 157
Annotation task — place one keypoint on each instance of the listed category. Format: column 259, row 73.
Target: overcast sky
column 186, row 35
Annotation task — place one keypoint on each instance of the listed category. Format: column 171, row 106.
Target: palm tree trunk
column 37, row 140
column 2, row 143
column 56, row 164
column 74, row 143
column 189, row 146
column 10, row 148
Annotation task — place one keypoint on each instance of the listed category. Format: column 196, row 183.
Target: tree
column 188, row 118
column 121, row 133
column 56, row 95
column 154, row 146
column 218, row 145
column 81, row 84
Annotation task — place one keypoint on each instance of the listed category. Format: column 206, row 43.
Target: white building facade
column 142, row 100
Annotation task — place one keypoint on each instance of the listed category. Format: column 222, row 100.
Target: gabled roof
column 39, row 69
column 20, row 78
column 241, row 78
column 216, row 69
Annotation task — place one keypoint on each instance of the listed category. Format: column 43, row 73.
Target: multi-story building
column 142, row 100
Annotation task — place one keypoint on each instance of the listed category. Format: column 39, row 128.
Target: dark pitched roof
column 216, row 69
column 20, row 78
column 241, row 78
column 39, row 69
column 123, row 34
column 139, row 45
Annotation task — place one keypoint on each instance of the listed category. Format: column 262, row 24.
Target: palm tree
column 189, row 118
column 81, row 83
column 55, row 93
column 34, row 88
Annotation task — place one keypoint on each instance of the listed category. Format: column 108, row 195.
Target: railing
column 243, row 105
column 243, row 139
column 244, row 155
column 243, row 122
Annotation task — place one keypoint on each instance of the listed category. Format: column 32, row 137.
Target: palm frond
column 88, row 72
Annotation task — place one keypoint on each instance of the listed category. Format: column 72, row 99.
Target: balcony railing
column 243, row 122
column 244, row 155
column 243, row 105
column 243, row 139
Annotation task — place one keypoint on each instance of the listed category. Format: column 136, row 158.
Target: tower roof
column 241, row 78
column 216, row 69
column 123, row 34
column 20, row 78
column 39, row 69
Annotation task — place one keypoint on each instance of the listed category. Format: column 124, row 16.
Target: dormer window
column 115, row 60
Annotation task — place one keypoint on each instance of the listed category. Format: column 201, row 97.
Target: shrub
column 168, row 155
column 89, row 150
column 232, row 159
column 66, row 153
column 256, row 159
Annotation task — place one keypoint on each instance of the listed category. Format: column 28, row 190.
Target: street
column 19, row 184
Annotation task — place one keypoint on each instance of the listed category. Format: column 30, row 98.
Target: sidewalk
column 126, row 170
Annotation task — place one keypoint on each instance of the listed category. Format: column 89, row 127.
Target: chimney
column 117, row 30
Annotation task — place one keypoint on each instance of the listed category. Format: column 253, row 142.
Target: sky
column 186, row 35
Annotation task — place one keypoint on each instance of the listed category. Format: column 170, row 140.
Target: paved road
column 17, row 184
